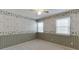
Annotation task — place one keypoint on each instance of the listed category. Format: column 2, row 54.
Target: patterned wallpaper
column 15, row 24
column 50, row 23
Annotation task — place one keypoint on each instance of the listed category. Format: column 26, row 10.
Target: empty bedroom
column 39, row 29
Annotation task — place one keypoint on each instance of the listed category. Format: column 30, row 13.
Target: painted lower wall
column 69, row 41
column 9, row 40
column 15, row 30
column 50, row 34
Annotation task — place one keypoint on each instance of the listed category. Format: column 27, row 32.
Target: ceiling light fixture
column 40, row 11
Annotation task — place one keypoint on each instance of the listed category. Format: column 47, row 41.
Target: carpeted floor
column 37, row 44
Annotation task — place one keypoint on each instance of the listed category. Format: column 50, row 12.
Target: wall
column 50, row 24
column 16, row 25
column 50, row 30
column 15, row 30
column 75, row 23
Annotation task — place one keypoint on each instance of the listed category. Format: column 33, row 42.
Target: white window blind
column 40, row 26
column 63, row 26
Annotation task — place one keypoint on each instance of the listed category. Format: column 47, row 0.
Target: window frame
column 38, row 27
column 64, row 26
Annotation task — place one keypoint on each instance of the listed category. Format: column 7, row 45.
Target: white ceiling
column 29, row 13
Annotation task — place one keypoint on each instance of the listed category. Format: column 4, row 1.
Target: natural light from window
column 63, row 26
column 40, row 26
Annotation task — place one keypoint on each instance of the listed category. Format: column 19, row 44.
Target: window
column 63, row 26
column 40, row 26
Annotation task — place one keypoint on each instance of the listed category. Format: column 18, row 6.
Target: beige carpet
column 37, row 45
